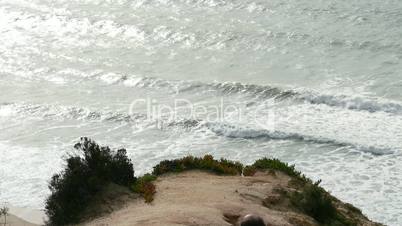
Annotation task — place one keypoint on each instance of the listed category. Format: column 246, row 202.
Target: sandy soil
column 198, row 198
column 13, row 220
column 23, row 217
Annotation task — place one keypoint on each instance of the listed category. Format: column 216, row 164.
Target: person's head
column 252, row 220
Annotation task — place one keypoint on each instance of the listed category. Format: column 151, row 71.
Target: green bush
column 83, row 178
column 208, row 163
column 314, row 201
column 145, row 187
column 249, row 171
column 276, row 164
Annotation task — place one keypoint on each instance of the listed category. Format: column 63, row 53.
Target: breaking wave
column 260, row 92
column 232, row 131
column 63, row 113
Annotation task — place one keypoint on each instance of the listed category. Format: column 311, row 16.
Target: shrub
column 249, row 171
column 145, row 187
column 4, row 211
column 276, row 164
column 83, row 178
column 122, row 170
column 208, row 163
column 352, row 208
column 314, row 201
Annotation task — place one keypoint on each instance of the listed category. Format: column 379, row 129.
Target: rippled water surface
column 328, row 71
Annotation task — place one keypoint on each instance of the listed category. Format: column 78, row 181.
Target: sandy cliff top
column 200, row 198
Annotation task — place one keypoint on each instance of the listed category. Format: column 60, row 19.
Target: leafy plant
column 145, row 187
column 4, row 211
column 276, row 164
column 249, row 171
column 314, row 201
column 207, row 163
column 82, row 179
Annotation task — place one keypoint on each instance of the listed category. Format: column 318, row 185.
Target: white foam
column 19, row 111
column 7, row 111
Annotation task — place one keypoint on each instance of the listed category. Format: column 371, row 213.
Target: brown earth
column 200, row 198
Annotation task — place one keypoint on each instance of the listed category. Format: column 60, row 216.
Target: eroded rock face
column 199, row 198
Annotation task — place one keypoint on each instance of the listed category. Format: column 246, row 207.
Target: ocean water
column 311, row 82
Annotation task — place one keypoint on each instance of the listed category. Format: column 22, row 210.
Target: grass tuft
column 276, row 164
column 314, row 201
column 249, row 171
column 207, row 163
column 145, row 187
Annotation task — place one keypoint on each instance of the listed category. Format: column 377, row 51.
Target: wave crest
column 232, row 131
column 260, row 92
column 64, row 112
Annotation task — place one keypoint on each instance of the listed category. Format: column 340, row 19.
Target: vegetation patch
column 83, row 178
column 145, row 187
column 207, row 163
column 309, row 198
column 276, row 164
column 352, row 209
column 87, row 176
column 4, row 213
column 249, row 171
column 314, row 201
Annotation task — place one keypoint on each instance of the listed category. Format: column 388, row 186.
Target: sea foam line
column 219, row 128
column 64, row 112
column 258, row 91
column 232, row 131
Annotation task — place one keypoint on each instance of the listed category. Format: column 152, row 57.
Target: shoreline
column 100, row 188
column 24, row 216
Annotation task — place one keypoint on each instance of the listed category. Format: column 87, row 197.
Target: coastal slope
column 201, row 198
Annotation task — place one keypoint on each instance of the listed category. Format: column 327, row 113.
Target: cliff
column 201, row 198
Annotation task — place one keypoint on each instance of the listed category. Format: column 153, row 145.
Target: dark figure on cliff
column 252, row 220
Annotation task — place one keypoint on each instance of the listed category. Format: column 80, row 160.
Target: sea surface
column 315, row 83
